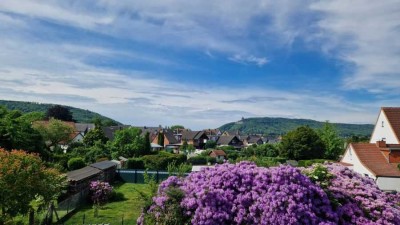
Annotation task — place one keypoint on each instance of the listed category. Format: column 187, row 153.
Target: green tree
column 54, row 132
column 24, row 178
column 59, row 112
column 174, row 127
column 129, row 142
column 76, row 163
column 334, row 145
column 147, row 144
column 302, row 143
column 210, row 144
column 160, row 139
column 94, row 135
column 16, row 132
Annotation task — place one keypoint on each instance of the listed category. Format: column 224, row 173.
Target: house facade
column 379, row 158
column 387, row 126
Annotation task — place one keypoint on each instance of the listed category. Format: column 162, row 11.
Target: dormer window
column 383, row 123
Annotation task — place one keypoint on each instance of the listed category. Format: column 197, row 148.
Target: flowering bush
column 100, row 192
column 246, row 194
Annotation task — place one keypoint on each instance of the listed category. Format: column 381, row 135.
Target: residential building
column 196, row 138
column 379, row 158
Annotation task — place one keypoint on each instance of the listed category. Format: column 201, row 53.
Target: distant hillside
column 79, row 115
column 278, row 126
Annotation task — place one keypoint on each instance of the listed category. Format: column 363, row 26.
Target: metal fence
column 137, row 176
column 71, row 203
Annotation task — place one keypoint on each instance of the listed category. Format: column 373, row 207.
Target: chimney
column 381, row 144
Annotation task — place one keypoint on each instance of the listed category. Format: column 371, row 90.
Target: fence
column 137, row 176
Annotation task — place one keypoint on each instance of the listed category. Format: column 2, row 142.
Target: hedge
column 135, row 163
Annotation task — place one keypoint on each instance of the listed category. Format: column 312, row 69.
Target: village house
column 379, row 159
column 218, row 154
column 196, row 138
column 230, row 141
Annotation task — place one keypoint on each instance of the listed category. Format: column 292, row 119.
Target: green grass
column 112, row 212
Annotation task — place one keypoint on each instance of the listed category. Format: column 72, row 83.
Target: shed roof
column 82, row 174
column 103, row 165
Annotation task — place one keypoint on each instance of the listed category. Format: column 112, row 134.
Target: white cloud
column 249, row 59
column 364, row 34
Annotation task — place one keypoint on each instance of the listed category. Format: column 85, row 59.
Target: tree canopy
column 59, row 112
column 16, row 132
column 302, row 143
column 24, row 178
column 54, row 132
column 334, row 145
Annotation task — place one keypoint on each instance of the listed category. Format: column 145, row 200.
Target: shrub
column 76, row 163
column 161, row 160
column 310, row 162
column 100, row 192
column 247, row 194
column 198, row 160
column 135, row 163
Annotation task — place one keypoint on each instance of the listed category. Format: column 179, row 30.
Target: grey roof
column 82, row 174
column 193, row 135
column 103, row 165
column 84, row 127
column 169, row 135
column 254, row 139
column 225, row 140
column 110, row 131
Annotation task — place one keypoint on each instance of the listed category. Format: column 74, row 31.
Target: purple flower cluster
column 359, row 199
column 246, row 194
column 100, row 192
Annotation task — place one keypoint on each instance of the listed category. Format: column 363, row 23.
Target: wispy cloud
column 250, row 59
column 42, row 61
column 366, row 36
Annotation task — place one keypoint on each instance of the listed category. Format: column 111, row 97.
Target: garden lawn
column 113, row 212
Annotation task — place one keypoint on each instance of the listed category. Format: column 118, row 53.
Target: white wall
column 351, row 157
column 383, row 132
column 389, row 183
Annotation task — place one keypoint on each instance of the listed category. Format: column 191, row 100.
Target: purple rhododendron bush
column 243, row 193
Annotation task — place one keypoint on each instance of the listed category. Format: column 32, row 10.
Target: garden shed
column 108, row 168
column 81, row 178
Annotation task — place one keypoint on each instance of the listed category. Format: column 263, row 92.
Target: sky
column 203, row 63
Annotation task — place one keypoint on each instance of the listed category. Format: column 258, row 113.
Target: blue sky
column 204, row 63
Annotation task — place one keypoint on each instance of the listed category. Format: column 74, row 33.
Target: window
column 383, row 124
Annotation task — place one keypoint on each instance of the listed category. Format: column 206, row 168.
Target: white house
column 387, row 126
column 379, row 158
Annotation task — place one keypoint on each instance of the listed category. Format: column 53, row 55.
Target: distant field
column 112, row 213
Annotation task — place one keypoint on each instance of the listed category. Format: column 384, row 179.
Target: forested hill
column 278, row 126
column 79, row 115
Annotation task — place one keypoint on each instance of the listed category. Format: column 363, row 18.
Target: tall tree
column 54, row 132
column 59, row 112
column 334, row 145
column 16, row 132
column 94, row 135
column 23, row 178
column 147, row 144
column 128, row 142
column 302, row 143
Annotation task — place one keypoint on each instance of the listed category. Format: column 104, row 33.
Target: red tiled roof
column 393, row 115
column 345, row 164
column 372, row 158
column 218, row 152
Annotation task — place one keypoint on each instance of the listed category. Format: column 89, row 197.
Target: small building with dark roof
column 230, row 141
column 80, row 179
column 218, row 154
column 108, row 168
